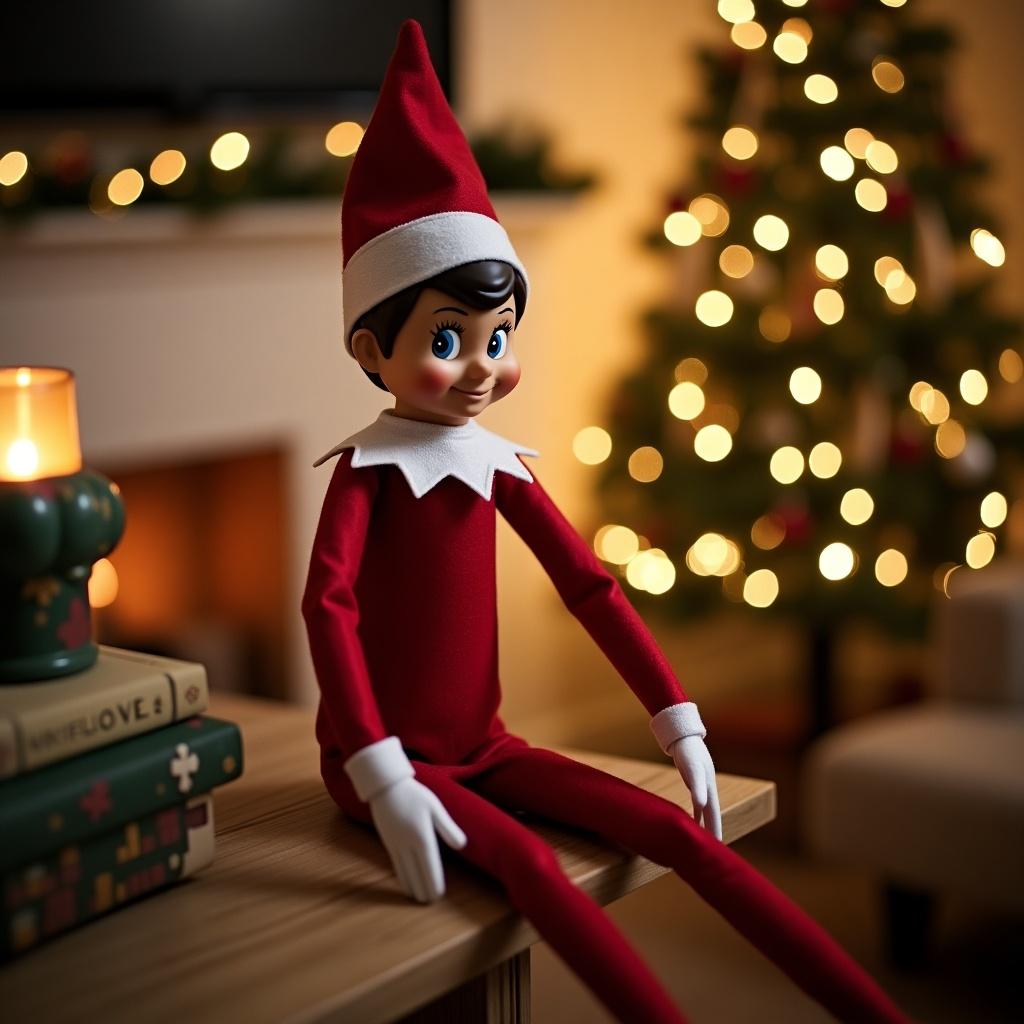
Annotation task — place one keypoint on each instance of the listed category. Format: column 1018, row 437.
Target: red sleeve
column 589, row 591
column 330, row 610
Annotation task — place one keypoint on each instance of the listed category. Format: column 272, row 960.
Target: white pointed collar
column 426, row 453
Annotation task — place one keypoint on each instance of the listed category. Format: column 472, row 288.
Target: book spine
column 83, row 881
column 68, row 803
column 98, row 718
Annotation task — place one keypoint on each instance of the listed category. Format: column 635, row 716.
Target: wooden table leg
column 498, row 996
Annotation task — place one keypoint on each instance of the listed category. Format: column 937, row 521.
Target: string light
column 229, row 151
column 768, row 532
column 980, row 550
column 712, row 213
column 900, row 288
column 167, row 167
column 771, row 232
column 714, row 308
column 646, row 464
column 881, row 157
column 824, row 460
column 856, row 506
column 103, row 584
column 736, row 261
column 987, row 247
column 761, row 588
column 651, row 570
column 749, row 35
column 774, row 324
column 682, row 228
column 616, row 544
column 887, row 75
column 736, row 11
column 125, row 187
column 712, row 443
column 917, row 392
column 973, row 387
column 993, row 509
column 820, row 89
column 888, row 271
column 1011, row 366
column 856, row 141
column 831, row 263
column 836, row 561
column 592, row 445
column 740, row 142
column 871, row 195
column 828, row 306
column 711, row 554
column 786, row 464
column 837, row 163
column 343, row 139
column 891, row 567
column 691, row 369
column 934, row 406
column 805, row 385
column 950, row 439
column 799, row 27
column 686, row 400
column 790, row 47
column 13, row 166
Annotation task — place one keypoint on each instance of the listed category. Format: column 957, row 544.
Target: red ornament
column 905, row 449
column 735, row 181
column 899, row 203
column 795, row 521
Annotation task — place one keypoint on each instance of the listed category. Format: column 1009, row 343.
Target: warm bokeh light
column 891, row 567
column 889, row 271
column 856, row 506
column 934, row 406
column 771, row 232
column 616, row 544
column 993, row 509
column 691, row 369
column 831, row 262
column 900, row 288
column 103, row 584
column 167, row 167
column 856, row 141
column 837, row 163
column 887, row 75
column 713, row 555
column 229, row 151
column 682, row 228
column 836, row 561
column 651, row 570
column 736, row 11
column 790, row 47
column 13, row 166
column 736, row 261
column 805, row 385
column 592, row 445
column 712, row 213
column 987, row 247
column 774, row 324
column 881, row 157
column 799, row 27
column 714, row 308
column 950, row 439
column 686, row 400
column 761, row 588
column 820, row 89
column 828, row 305
column 825, row 460
column 125, row 187
column 646, row 464
column 1011, row 366
column 344, row 138
column 980, row 550
column 739, row 142
column 787, row 464
column 768, row 532
column 749, row 35
column 712, row 443
column 973, row 387
column 917, row 392
column 871, row 195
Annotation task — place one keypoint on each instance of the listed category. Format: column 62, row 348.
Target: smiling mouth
column 474, row 394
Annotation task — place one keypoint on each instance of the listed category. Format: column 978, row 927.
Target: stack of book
column 105, row 789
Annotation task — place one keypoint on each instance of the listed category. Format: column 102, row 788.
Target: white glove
column 406, row 814
column 680, row 734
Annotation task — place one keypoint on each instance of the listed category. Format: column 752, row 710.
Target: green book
column 68, row 802
column 85, row 880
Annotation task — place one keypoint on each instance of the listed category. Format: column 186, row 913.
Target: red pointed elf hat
column 415, row 202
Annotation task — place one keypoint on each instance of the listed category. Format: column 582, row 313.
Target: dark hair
column 481, row 285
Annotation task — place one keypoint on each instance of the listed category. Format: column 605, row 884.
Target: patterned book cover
column 83, row 880
column 124, row 694
column 69, row 802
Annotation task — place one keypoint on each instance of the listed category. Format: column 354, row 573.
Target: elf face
column 449, row 361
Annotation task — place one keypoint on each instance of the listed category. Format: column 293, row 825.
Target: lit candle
column 38, row 423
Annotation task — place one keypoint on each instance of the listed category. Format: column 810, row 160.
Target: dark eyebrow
column 451, row 309
column 507, row 309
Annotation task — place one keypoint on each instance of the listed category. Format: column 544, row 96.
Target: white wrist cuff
column 377, row 766
column 675, row 722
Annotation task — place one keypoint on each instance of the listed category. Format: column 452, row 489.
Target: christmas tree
column 812, row 429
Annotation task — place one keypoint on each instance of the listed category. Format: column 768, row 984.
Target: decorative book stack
column 105, row 789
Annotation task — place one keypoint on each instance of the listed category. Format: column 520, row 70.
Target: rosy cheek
column 509, row 379
column 433, row 381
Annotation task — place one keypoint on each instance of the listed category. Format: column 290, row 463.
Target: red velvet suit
column 400, row 607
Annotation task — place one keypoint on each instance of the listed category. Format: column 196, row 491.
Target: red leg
column 575, row 927
column 564, row 790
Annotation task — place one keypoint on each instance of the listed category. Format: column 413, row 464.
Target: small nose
column 479, row 369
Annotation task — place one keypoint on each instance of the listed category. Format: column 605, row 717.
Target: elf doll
column 400, row 600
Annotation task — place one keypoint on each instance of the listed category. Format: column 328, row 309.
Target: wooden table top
column 300, row 919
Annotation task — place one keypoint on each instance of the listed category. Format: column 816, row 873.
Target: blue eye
column 498, row 344
column 446, row 343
